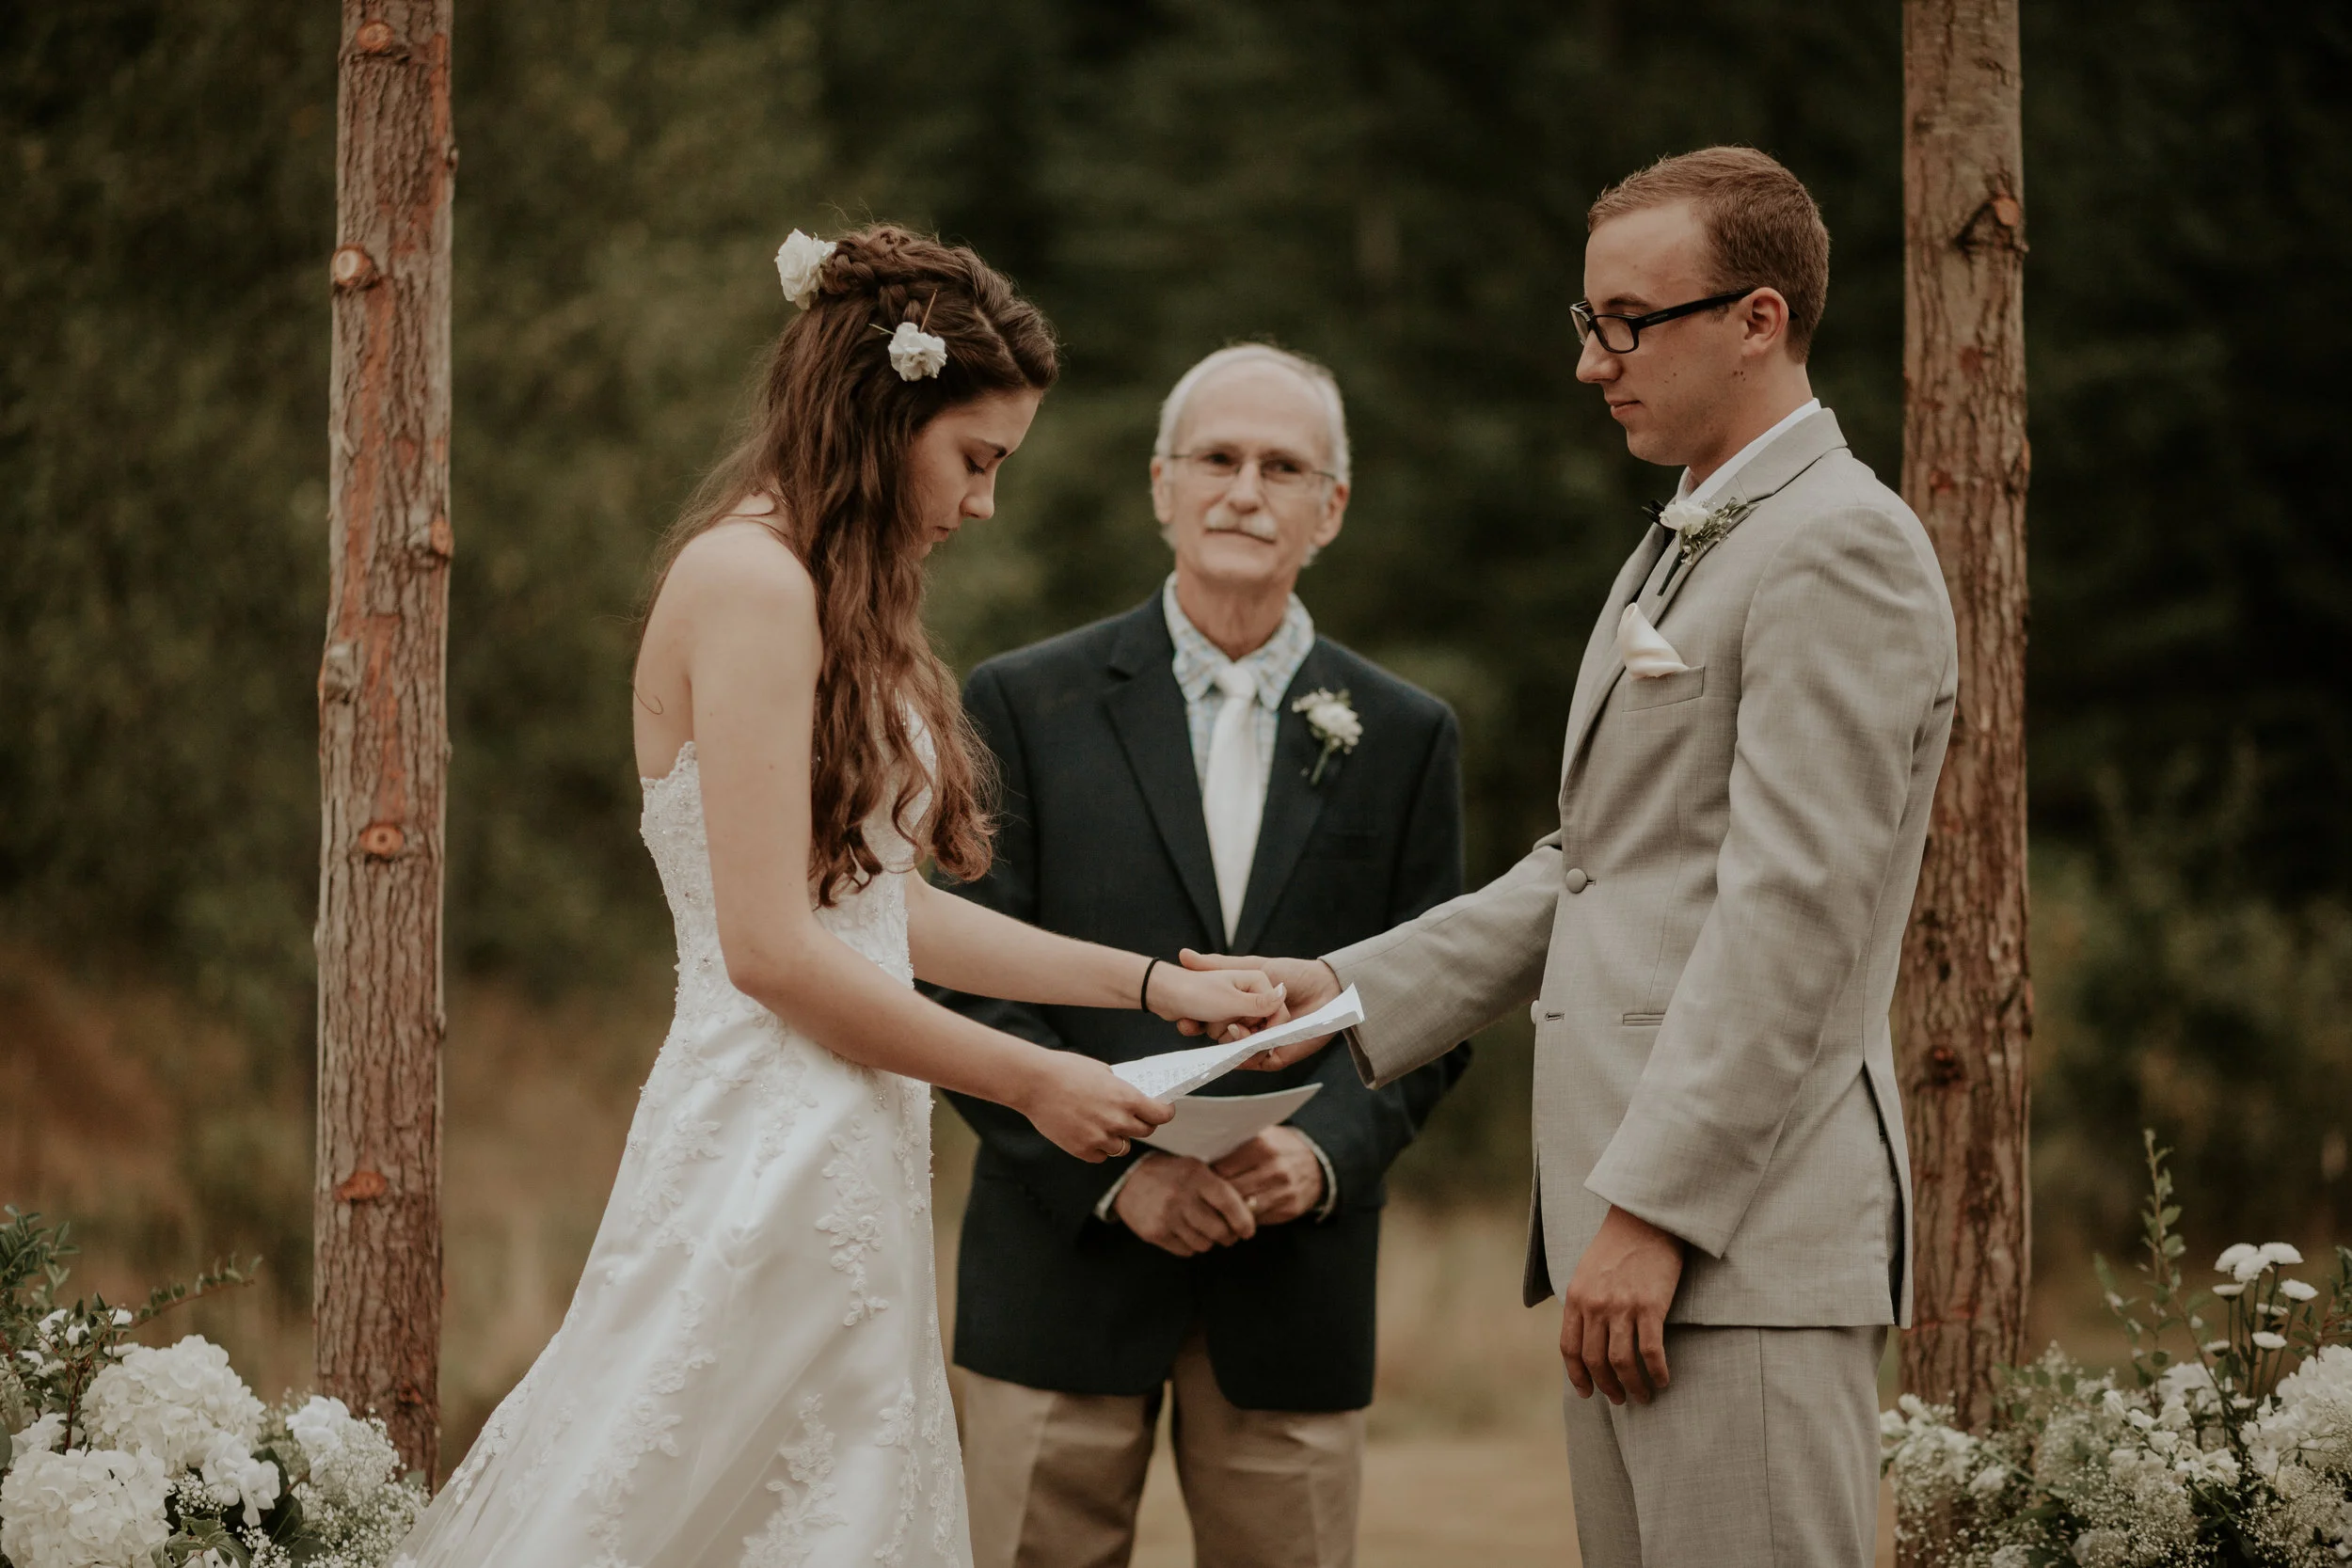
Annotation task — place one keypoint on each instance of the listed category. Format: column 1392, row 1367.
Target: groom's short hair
column 1760, row 222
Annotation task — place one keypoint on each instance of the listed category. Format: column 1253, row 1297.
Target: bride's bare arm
column 966, row 947
column 741, row 613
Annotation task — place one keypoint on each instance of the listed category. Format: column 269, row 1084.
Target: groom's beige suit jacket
column 1710, row 941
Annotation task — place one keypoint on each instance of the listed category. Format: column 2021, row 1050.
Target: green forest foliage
column 1394, row 185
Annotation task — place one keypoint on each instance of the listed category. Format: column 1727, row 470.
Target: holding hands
column 1306, row 984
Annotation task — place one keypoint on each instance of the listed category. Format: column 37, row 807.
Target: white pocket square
column 1646, row 655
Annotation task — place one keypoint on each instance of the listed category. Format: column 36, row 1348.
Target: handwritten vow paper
column 1178, row 1072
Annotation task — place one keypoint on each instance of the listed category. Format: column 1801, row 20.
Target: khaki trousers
column 1763, row 1452
column 1053, row 1480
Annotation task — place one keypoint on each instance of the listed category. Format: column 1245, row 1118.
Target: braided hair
column 828, row 438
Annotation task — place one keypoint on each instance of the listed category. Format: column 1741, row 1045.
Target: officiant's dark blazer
column 1101, row 836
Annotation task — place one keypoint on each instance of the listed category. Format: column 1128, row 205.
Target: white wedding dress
column 749, row 1375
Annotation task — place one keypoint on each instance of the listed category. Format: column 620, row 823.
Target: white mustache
column 1257, row 525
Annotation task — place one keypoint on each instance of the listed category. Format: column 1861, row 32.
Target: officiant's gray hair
column 1319, row 381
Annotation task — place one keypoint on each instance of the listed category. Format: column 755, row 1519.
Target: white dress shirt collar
column 1710, row 492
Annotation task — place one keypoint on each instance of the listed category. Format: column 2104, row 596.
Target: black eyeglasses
column 1623, row 334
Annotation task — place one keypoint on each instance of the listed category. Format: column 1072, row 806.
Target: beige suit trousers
column 1763, row 1452
column 1053, row 1480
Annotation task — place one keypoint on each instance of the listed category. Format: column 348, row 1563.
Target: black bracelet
column 1143, row 997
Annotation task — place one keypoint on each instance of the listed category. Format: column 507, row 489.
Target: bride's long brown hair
column 828, row 438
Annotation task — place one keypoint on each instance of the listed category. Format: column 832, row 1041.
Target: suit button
column 1578, row 881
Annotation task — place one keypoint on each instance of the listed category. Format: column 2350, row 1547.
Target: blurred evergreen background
column 1396, row 187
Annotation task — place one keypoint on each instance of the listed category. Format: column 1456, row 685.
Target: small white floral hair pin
column 798, row 260
column 915, row 353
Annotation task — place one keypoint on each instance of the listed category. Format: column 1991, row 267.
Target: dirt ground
column 1496, row 1502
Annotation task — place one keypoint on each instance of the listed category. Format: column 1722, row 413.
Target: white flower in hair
column 798, row 261
column 915, row 353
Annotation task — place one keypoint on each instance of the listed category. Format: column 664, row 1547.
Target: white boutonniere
column 1331, row 719
column 1699, row 528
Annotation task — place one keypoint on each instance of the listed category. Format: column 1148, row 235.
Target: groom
column 1708, row 942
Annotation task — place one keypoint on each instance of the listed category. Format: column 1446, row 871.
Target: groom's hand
column 1307, row 984
column 1182, row 1205
column 1612, row 1327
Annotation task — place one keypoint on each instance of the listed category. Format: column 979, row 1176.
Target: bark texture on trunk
column 1964, row 1012
column 383, row 728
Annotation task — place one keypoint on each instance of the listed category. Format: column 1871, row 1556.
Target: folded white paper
column 1177, row 1072
column 1209, row 1126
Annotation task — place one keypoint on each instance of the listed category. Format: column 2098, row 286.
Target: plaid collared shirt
column 1274, row 666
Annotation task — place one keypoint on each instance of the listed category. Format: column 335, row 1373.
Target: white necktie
column 1235, row 799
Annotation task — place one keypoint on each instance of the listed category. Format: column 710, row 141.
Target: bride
column 750, row 1374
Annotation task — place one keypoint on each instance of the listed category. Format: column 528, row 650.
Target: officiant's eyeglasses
column 1279, row 472
column 1623, row 334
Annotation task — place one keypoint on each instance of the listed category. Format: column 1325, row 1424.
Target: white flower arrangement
column 119, row 1455
column 2240, row 1452
column 799, row 260
column 1331, row 719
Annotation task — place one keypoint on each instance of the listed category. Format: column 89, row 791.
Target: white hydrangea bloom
column 349, row 1458
column 2281, row 1254
column 2265, row 1340
column 2311, row 1416
column 2296, row 1290
column 2234, row 1259
column 2012, row 1556
column 171, row 1403
column 83, row 1508
column 43, row 1436
column 236, row 1476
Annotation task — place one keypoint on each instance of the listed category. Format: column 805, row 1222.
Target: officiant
column 1202, row 771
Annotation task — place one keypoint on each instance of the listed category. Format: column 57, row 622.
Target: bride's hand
column 1087, row 1109
column 1208, row 1000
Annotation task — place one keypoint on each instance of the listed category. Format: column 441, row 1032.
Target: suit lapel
column 1146, row 710
column 1292, row 805
column 1598, row 676
column 1770, row 471
column 1766, row 474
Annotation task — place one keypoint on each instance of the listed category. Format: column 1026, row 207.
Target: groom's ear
column 1764, row 322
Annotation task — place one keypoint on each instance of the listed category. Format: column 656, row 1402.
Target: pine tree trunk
column 1964, row 1013
column 383, row 728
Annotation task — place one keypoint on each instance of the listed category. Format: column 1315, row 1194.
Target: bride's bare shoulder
column 738, row 563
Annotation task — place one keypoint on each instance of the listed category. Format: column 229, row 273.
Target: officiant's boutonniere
column 1331, row 719
column 1699, row 528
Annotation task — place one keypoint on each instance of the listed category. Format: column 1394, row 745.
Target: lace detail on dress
column 854, row 1220
column 643, row 1427
column 784, row 1542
